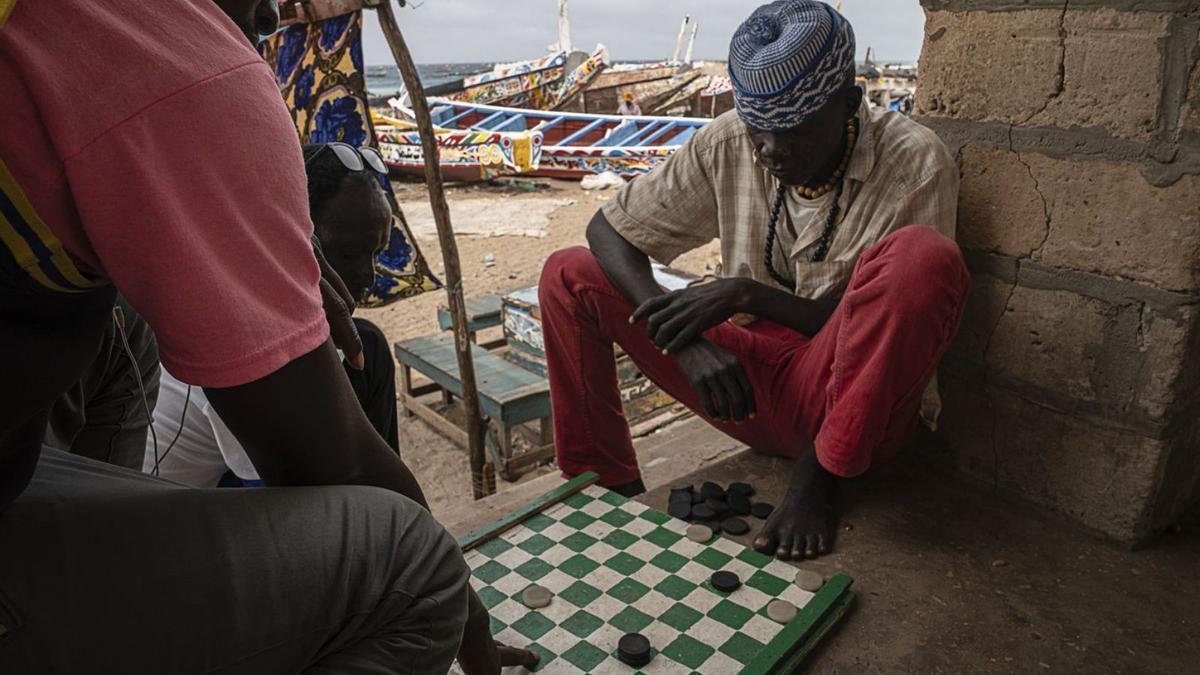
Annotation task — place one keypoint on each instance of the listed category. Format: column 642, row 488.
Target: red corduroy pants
column 854, row 389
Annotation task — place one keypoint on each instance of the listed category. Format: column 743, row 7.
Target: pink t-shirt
column 152, row 141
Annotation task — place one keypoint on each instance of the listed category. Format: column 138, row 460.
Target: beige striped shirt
column 899, row 174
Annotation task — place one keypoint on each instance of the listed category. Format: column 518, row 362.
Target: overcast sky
column 449, row 31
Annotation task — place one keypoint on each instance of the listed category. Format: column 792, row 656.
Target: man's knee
column 568, row 266
column 931, row 250
column 926, row 259
column 422, row 559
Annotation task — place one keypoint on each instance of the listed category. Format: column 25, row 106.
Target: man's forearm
column 624, row 265
column 303, row 425
column 800, row 314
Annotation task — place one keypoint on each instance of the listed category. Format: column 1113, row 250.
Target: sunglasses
column 354, row 159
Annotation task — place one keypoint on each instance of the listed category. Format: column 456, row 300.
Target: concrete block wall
column 1075, row 379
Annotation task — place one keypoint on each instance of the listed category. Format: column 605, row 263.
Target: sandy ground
column 441, row 466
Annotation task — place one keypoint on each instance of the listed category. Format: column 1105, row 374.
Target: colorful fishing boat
column 543, row 83
column 573, row 145
column 649, row 84
column 466, row 155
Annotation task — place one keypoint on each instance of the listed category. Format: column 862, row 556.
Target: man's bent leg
column 900, row 311
column 323, row 579
column 872, row 361
column 582, row 316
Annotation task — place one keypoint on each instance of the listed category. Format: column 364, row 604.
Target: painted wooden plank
column 456, row 118
column 814, row 637
column 657, row 134
column 482, row 124
column 442, row 115
column 499, row 527
column 633, row 140
column 591, row 126
column 545, row 124
column 506, row 391
column 684, row 136
column 495, row 124
column 618, row 135
column 802, row 629
column 527, row 361
column 482, row 312
column 514, row 123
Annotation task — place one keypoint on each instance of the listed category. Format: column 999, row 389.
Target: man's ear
column 854, row 97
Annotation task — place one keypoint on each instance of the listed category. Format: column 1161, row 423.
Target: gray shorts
column 106, row 570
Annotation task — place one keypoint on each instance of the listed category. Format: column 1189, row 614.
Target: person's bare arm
column 715, row 374
column 624, row 265
column 303, row 425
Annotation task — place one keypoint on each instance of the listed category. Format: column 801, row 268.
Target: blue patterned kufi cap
column 787, row 60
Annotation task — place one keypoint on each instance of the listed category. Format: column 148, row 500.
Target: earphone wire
column 119, row 322
column 187, row 398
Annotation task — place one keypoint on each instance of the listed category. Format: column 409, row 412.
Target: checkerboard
column 616, row 566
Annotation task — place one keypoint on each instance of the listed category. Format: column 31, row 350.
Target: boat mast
column 692, row 42
column 564, row 28
column 679, row 40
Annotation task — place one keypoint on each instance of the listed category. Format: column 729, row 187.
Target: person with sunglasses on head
column 351, row 219
column 842, row 283
column 181, row 185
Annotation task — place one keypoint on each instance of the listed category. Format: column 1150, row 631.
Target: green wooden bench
column 509, row 396
column 482, row 312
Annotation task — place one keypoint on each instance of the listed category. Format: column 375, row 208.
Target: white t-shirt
column 205, row 449
column 802, row 214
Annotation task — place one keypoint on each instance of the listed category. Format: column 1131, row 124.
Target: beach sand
column 442, row 467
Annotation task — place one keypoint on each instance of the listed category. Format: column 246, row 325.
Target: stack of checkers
column 716, row 508
column 628, row 586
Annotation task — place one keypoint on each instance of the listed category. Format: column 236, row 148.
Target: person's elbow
column 599, row 231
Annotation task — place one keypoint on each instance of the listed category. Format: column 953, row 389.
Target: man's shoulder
column 903, row 141
column 726, row 131
column 91, row 65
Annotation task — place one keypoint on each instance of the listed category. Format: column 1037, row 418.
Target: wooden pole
column 441, row 216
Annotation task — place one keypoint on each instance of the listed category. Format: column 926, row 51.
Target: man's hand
column 675, row 319
column 719, row 380
column 482, row 655
column 339, row 307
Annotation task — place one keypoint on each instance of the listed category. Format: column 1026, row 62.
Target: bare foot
column 802, row 524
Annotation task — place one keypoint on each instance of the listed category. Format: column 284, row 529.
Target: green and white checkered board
column 616, row 566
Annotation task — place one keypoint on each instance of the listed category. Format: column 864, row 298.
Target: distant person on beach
column 181, row 185
column 843, row 283
column 351, row 217
column 628, row 105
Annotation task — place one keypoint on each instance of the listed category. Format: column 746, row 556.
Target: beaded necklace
column 835, row 183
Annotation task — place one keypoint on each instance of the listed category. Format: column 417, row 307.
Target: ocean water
column 384, row 80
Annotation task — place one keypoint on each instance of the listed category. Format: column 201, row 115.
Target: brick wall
column 1076, row 125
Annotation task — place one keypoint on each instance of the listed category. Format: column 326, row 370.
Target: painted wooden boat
column 466, row 155
column 652, row 85
column 541, row 84
column 575, row 144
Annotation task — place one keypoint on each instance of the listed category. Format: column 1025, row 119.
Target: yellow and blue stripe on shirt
column 27, row 244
